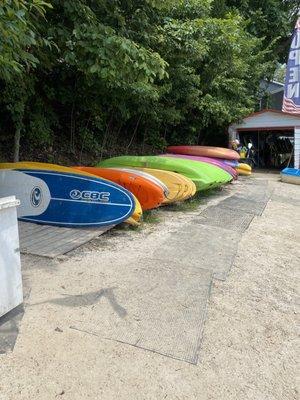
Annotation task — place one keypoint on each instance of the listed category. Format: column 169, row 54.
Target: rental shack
column 275, row 136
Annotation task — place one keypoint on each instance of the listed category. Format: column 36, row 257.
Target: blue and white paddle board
column 66, row 199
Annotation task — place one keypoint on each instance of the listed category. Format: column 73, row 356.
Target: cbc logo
column 76, row 194
column 36, row 196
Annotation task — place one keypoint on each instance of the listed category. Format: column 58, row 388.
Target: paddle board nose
column 66, row 199
column 37, row 198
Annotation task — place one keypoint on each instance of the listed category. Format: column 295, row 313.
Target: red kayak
column 205, row 151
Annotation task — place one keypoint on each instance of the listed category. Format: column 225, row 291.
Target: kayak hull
column 201, row 176
column 179, row 187
column 149, row 194
column 243, row 172
column 291, row 175
column 245, row 167
column 213, row 161
column 231, row 163
column 205, row 151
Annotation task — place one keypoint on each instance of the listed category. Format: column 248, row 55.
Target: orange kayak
column 147, row 192
column 205, row 151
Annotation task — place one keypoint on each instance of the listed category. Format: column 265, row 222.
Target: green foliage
column 271, row 20
column 19, row 46
column 99, row 75
column 18, row 36
column 279, row 74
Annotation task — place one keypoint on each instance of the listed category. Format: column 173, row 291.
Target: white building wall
column 297, row 147
column 268, row 119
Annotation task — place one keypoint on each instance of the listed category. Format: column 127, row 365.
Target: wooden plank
column 51, row 241
column 38, row 236
column 28, row 231
column 48, row 236
column 56, row 249
column 60, row 241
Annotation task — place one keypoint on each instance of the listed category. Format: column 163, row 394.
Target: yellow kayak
column 42, row 166
column 136, row 217
column 243, row 172
column 245, row 167
column 192, row 189
column 180, row 187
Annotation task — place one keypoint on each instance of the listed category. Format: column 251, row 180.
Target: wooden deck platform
column 52, row 241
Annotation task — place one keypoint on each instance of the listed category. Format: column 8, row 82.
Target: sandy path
column 250, row 344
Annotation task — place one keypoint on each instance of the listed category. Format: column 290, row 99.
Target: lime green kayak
column 205, row 176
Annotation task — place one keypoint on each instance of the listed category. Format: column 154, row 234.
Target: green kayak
column 205, row 176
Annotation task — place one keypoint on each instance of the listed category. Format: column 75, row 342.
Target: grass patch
column 127, row 227
column 187, row 205
column 151, row 217
column 193, row 203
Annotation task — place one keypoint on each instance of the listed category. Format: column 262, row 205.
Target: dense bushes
column 100, row 76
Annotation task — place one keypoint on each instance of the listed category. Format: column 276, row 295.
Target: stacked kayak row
column 203, row 175
column 115, row 190
column 213, row 155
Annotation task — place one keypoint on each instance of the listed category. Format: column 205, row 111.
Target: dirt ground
column 250, row 344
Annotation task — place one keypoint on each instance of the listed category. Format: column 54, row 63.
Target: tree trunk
column 106, row 134
column 134, row 133
column 72, row 130
column 17, row 145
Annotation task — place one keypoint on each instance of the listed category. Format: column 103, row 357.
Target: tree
column 215, row 67
column 19, row 40
column 271, row 20
column 91, row 75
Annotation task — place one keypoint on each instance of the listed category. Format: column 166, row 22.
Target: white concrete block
column 11, row 293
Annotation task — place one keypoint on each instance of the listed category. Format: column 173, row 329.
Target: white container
column 11, row 292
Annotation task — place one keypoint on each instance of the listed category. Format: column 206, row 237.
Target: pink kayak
column 207, row 160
